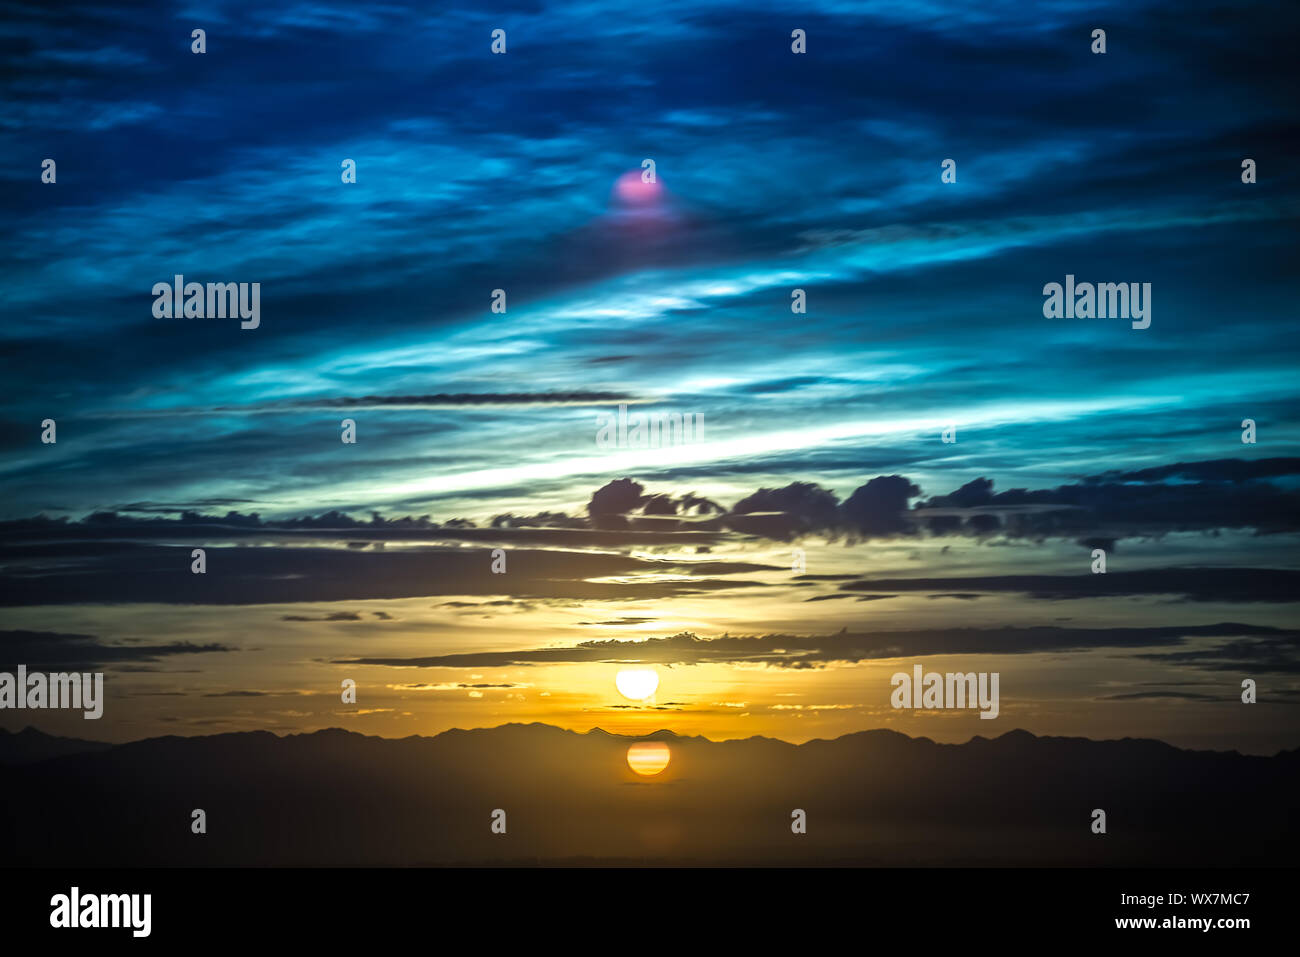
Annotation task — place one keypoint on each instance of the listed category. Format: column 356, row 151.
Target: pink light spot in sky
column 630, row 189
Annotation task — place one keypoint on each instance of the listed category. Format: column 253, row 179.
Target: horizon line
column 641, row 737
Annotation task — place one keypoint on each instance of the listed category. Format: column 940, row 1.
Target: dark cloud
column 1188, row 583
column 797, row 509
column 1101, row 510
column 1097, row 512
column 439, row 400
column 1162, row 695
column 58, row 651
column 803, row 651
column 876, row 509
column 459, row 686
column 113, row 557
column 623, row 503
column 1215, row 470
column 332, row 616
column 506, row 530
column 125, row 571
column 499, row 603
column 1244, row 656
column 611, row 503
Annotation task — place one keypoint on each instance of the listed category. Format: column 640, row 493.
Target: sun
column 637, row 684
column 648, row 758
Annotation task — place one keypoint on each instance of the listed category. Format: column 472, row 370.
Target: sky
column 816, row 534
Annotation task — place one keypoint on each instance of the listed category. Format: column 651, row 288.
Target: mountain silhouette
column 336, row 797
column 30, row 745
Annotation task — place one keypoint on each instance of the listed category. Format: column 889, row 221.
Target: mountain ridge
column 339, row 797
column 1014, row 735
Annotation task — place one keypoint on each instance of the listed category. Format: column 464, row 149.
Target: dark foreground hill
column 29, row 746
column 876, row 797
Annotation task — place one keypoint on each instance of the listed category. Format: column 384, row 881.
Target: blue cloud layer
column 478, row 172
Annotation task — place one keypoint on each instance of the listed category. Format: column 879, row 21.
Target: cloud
column 58, row 651
column 1215, row 470
column 810, row 651
column 1246, row 655
column 459, row 686
column 441, row 400
column 1135, row 504
column 1189, row 583
column 1165, row 695
column 588, row 284
column 618, row 504
column 798, row 508
column 118, row 557
column 123, row 572
column 1100, row 509
column 332, row 616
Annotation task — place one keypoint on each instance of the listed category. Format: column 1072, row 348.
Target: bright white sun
column 637, row 684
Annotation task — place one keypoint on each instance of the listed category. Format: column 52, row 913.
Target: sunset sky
column 775, row 171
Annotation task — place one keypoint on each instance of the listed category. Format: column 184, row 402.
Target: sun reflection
column 648, row 758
